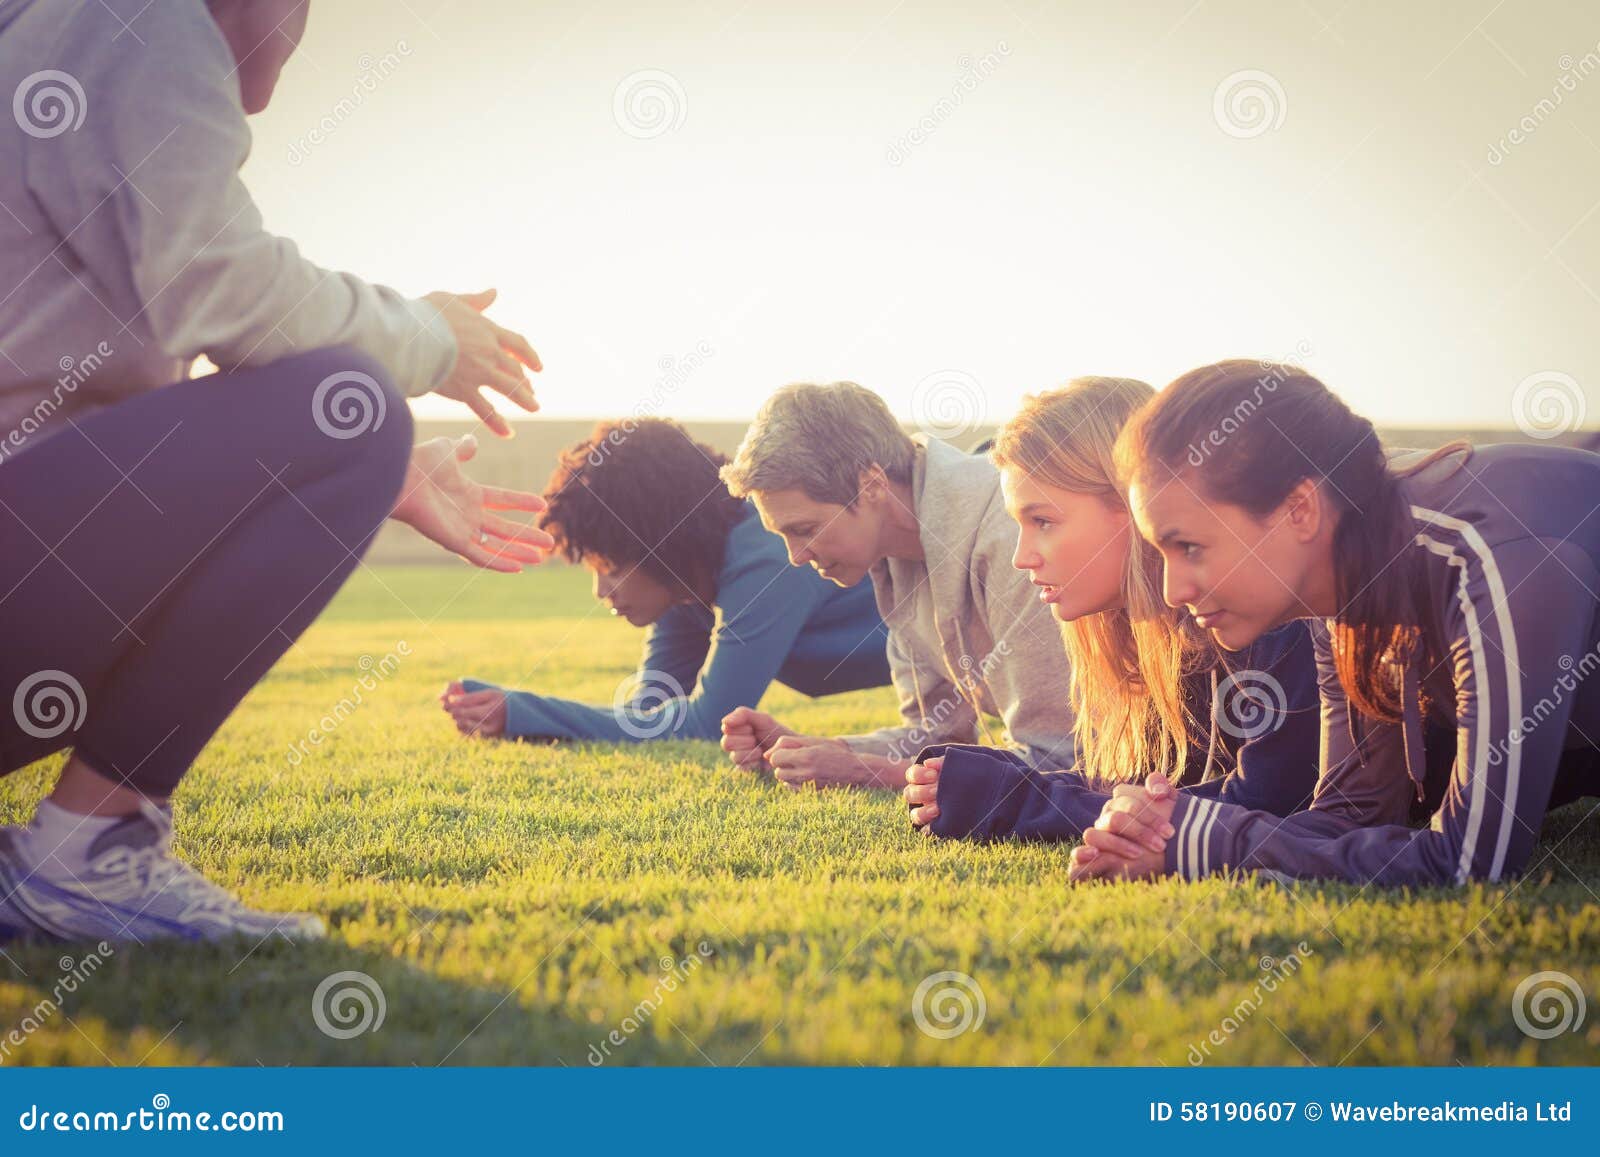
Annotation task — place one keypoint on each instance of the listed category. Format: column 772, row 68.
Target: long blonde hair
column 1128, row 664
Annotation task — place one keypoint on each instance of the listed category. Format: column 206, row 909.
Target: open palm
column 441, row 502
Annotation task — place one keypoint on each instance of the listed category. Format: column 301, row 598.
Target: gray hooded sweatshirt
column 128, row 244
column 968, row 635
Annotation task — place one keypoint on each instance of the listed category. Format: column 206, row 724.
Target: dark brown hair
column 642, row 492
column 1250, row 432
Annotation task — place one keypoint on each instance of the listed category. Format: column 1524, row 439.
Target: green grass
column 515, row 903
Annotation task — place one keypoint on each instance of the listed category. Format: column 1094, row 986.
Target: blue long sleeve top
column 768, row 621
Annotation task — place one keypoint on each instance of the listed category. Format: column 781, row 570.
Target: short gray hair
column 819, row 439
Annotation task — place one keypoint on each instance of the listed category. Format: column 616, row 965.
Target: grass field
column 530, row 905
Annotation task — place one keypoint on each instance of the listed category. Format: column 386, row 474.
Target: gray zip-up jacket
column 968, row 635
column 1509, row 550
column 128, row 244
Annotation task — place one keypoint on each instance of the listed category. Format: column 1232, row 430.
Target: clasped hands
column 1129, row 839
column 1127, row 842
column 753, row 739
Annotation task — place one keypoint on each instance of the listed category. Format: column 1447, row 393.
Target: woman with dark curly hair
column 643, row 506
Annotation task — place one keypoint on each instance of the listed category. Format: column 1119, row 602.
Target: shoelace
column 152, row 869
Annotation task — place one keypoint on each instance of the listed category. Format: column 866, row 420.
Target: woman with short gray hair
column 830, row 470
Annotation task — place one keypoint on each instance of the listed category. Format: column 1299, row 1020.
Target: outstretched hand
column 486, row 355
column 442, row 503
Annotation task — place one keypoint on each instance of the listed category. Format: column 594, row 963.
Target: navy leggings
column 158, row 556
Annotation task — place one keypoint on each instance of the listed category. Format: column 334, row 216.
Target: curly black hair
column 642, row 492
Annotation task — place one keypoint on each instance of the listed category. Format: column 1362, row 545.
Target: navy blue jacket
column 1259, row 752
column 1508, row 548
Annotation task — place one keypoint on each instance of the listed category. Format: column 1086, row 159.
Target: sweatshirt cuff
column 436, row 349
column 972, row 786
column 1197, row 847
column 524, row 719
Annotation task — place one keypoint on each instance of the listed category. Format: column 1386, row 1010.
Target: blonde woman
column 1150, row 691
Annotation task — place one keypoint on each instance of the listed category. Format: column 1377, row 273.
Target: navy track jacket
column 1508, row 547
column 1259, row 753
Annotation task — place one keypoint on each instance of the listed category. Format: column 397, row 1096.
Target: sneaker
column 132, row 888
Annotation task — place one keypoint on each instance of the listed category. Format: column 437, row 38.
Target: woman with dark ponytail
column 1457, row 588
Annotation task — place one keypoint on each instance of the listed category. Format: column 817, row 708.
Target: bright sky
column 783, row 196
